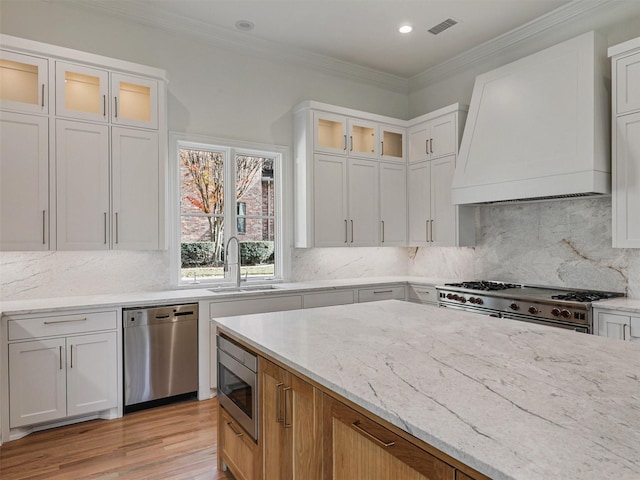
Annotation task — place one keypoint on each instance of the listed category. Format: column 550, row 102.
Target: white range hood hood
column 538, row 128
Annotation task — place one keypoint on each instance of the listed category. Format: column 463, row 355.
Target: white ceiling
column 360, row 32
column 365, row 32
column 359, row 38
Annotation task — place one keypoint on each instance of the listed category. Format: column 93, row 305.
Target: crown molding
column 498, row 46
column 133, row 11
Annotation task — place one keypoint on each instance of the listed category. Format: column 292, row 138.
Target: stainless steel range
column 557, row 307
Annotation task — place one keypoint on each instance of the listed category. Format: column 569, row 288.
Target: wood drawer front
column 422, row 293
column 254, row 305
column 236, row 448
column 381, row 293
column 358, row 444
column 325, row 299
column 80, row 322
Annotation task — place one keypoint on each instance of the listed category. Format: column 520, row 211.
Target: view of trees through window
column 211, row 212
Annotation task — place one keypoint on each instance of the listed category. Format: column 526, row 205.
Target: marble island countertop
column 512, row 400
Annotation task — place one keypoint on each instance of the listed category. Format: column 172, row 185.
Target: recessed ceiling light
column 244, row 25
column 405, row 29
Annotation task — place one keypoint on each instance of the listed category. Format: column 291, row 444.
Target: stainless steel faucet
column 226, row 259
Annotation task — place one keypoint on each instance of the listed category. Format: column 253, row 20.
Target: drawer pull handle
column 52, row 322
column 236, row 432
column 285, row 423
column 425, row 292
column 382, row 443
column 279, row 418
column 382, row 291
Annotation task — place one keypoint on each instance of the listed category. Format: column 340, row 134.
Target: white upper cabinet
column 330, row 199
column 363, row 138
column 82, row 92
column 82, row 173
column 24, row 182
column 24, row 83
column 89, row 172
column 626, row 144
column 135, row 101
column 627, row 83
column 433, row 139
column 136, row 189
column 393, row 204
column 363, row 200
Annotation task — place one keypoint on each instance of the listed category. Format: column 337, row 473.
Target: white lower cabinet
column 55, row 378
column 617, row 324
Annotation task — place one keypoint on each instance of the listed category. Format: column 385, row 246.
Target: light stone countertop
column 625, row 304
column 513, row 400
column 184, row 295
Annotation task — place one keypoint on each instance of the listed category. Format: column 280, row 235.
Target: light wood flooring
column 175, row 441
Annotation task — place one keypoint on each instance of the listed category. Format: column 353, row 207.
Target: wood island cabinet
column 236, row 449
column 357, row 448
column 291, row 419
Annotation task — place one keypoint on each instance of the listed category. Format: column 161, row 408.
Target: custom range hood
column 538, row 128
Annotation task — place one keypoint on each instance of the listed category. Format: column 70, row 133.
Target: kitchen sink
column 242, row 288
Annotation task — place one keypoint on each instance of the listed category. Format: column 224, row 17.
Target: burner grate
column 583, row 296
column 483, row 285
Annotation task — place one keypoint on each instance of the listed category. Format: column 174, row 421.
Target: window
column 227, row 191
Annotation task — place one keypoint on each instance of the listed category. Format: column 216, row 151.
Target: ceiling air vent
column 441, row 27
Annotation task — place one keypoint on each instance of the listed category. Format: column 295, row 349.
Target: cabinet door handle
column 382, row 148
column 233, row 429
column 104, row 105
column 345, row 143
column 60, row 354
column 42, row 102
column 351, row 231
column 285, row 423
column 431, row 145
column 351, row 143
column 279, row 402
column 53, row 322
column 44, row 227
column 382, row 221
column 105, row 228
column 115, row 111
column 116, row 227
column 624, row 331
column 426, row 146
column 356, row 426
column 431, row 221
column 346, row 234
column 426, row 228
column 71, row 357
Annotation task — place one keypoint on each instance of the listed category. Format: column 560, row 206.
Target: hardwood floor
column 175, row 441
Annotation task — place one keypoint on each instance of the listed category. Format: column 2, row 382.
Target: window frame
column 282, row 204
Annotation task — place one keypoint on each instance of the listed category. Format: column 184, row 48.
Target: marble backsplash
column 559, row 243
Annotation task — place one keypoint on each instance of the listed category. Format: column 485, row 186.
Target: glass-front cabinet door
column 23, row 83
column 135, row 101
column 392, row 144
column 363, row 138
column 330, row 133
column 82, row 92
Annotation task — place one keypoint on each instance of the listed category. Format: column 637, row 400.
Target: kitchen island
column 511, row 400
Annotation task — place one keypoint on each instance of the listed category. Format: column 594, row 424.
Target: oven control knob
column 555, row 312
column 514, row 306
column 565, row 313
column 533, row 310
column 472, row 299
column 463, row 300
column 479, row 301
column 455, row 297
column 449, row 296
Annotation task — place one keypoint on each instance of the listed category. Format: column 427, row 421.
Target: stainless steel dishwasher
column 160, row 354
